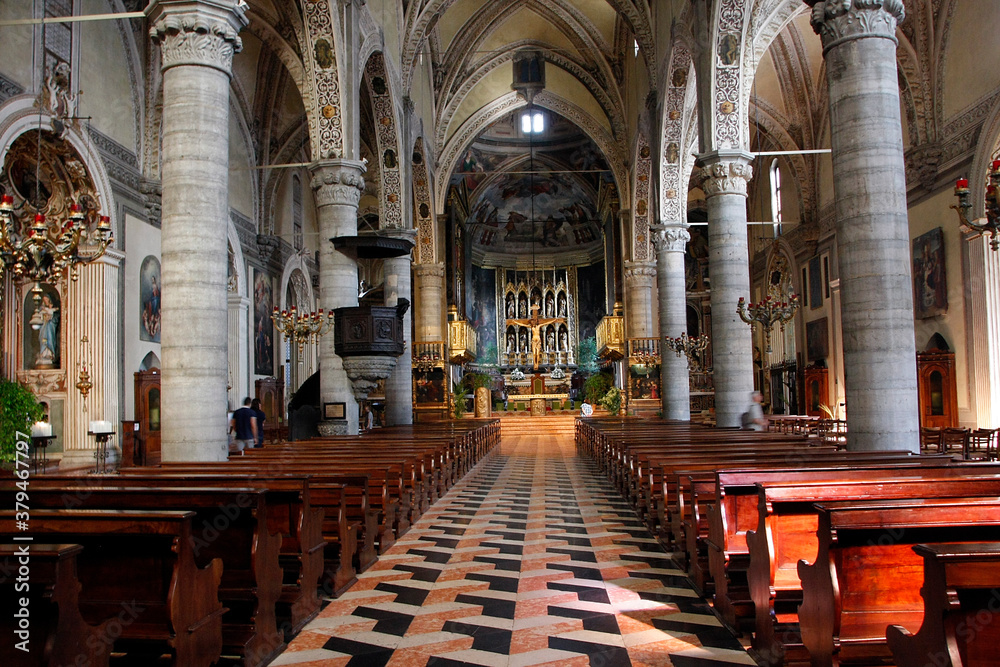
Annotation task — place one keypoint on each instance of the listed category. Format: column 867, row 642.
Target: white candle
column 41, row 429
column 101, row 427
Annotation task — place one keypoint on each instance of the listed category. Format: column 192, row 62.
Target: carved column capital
column 669, row 238
column 337, row 182
column 197, row 32
column 838, row 21
column 423, row 271
column 640, row 274
column 725, row 172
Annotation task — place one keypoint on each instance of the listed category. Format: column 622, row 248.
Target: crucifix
column 535, row 324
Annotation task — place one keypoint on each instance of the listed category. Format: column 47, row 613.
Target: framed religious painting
column 930, row 286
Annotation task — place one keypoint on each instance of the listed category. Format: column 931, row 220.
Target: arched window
column 297, row 212
column 776, row 197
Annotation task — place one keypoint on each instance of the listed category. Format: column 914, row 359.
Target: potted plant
column 19, row 409
column 612, row 400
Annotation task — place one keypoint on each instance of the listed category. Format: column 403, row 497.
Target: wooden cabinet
column 815, row 390
column 937, row 389
column 147, row 414
column 271, row 393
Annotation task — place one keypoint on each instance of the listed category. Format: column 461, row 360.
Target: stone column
column 239, row 349
column 670, row 242
column 337, row 186
column 726, row 174
column 873, row 241
column 197, row 40
column 399, row 385
column 639, row 282
column 429, row 307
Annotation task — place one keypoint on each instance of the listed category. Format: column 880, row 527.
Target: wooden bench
column 867, row 577
column 291, row 516
column 231, row 524
column 57, row 634
column 960, row 593
column 143, row 564
column 786, row 533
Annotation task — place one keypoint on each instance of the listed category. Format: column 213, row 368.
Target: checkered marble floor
column 530, row 560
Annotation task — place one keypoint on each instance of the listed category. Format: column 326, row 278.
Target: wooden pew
column 961, row 600
column 786, row 533
column 294, row 518
column 142, row 563
column 734, row 512
column 230, row 524
column 867, row 577
column 57, row 634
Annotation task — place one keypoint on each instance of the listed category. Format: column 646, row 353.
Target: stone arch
column 679, row 110
column 149, row 361
column 388, row 152
column 19, row 115
column 480, row 120
column 423, row 208
column 238, row 264
column 322, row 69
column 641, row 195
column 296, row 275
column 989, row 141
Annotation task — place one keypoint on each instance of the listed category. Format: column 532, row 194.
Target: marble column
column 670, row 242
column 726, row 174
column 639, row 278
column 94, row 313
column 399, row 385
column 239, row 349
column 197, row 40
column 337, row 186
column 429, row 308
column 873, row 241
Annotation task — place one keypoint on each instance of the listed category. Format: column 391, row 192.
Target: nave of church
column 530, row 560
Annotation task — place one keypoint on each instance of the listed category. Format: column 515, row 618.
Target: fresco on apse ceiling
column 517, row 213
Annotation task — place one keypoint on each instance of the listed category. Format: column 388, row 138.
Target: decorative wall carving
column 726, row 177
column 423, row 212
column 390, row 195
column 836, row 21
column 640, row 209
column 325, row 117
column 196, row 39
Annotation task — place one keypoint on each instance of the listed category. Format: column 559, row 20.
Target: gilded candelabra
column 44, row 252
column 692, row 348
column 767, row 313
column 991, row 225
column 302, row 327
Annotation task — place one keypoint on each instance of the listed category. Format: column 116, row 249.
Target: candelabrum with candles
column 991, row 225
column 47, row 249
column 767, row 313
column 692, row 347
column 302, row 327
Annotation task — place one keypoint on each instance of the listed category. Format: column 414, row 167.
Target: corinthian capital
column 640, row 274
column 838, row 21
column 725, row 173
column 429, row 270
column 197, row 32
column 669, row 238
column 338, row 182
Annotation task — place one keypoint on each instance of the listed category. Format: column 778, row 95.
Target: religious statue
column 46, row 320
column 562, row 305
column 511, row 344
column 510, row 308
column 535, row 324
column 562, row 341
column 550, row 341
column 523, row 347
column 523, row 309
column 550, row 310
column 536, row 350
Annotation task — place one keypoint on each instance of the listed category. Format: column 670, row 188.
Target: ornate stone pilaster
column 197, row 40
column 639, row 278
column 399, row 386
column 337, row 186
column 430, row 306
column 670, row 242
column 873, row 242
column 239, row 349
column 725, row 175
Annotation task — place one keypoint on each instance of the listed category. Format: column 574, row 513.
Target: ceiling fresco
column 533, row 194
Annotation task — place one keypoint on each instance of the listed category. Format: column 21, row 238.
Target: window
column 297, row 212
column 776, row 197
column 532, row 123
column 58, row 36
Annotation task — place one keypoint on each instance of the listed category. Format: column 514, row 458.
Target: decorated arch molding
column 323, row 98
column 423, row 211
column 491, row 112
column 387, row 139
column 678, row 112
column 642, row 173
column 612, row 105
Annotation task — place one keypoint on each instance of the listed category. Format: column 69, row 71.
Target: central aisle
column 532, row 559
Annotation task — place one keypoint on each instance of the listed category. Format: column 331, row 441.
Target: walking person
column 260, row 416
column 244, row 425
